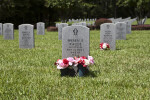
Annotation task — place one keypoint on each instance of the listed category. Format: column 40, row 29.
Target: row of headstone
column 81, row 20
column 122, row 20
column 111, row 32
column 26, row 33
column 79, row 23
column 62, row 25
column 142, row 22
column 7, row 30
column 75, row 38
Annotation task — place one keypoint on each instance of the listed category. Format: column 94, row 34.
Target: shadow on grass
column 92, row 74
column 118, row 49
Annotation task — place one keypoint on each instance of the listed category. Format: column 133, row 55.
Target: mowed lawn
column 30, row 74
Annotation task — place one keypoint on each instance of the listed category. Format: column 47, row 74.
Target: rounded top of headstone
column 76, row 26
column 8, row 24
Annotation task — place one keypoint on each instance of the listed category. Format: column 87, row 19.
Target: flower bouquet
column 71, row 66
column 104, row 46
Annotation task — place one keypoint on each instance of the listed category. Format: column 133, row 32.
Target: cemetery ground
column 31, row 73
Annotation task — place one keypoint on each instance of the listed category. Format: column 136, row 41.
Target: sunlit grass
column 31, row 74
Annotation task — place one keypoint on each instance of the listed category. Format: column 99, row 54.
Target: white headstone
column 1, row 29
column 26, row 36
column 40, row 28
column 82, row 23
column 8, row 31
column 75, row 41
column 60, row 27
column 128, row 27
column 120, row 31
column 108, row 35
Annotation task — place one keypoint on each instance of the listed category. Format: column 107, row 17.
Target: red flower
column 108, row 45
column 80, row 61
column 83, row 57
column 101, row 45
column 65, row 61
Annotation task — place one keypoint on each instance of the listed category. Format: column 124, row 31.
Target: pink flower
column 71, row 61
column 76, row 61
column 62, row 64
column 91, row 59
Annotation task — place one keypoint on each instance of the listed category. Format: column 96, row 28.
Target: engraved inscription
column 75, row 46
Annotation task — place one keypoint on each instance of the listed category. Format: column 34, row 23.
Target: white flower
column 70, row 63
column 87, row 62
column 105, row 46
column 59, row 67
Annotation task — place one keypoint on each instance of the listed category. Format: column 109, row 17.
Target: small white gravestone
column 60, row 27
column 82, row 23
column 8, row 31
column 75, row 41
column 108, row 35
column 75, row 24
column 57, row 25
column 128, row 27
column 26, row 36
column 40, row 28
column 133, row 20
column 120, row 31
column 1, row 29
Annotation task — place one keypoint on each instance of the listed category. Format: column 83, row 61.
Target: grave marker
column 8, row 31
column 60, row 27
column 82, row 23
column 108, row 35
column 26, row 36
column 120, row 31
column 1, row 29
column 75, row 41
column 128, row 27
column 41, row 28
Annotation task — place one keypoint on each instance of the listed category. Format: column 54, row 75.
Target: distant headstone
column 120, row 31
column 57, row 25
column 144, row 20
column 111, row 19
column 118, row 19
column 26, row 36
column 82, row 23
column 1, row 29
column 108, row 35
column 128, row 27
column 60, row 27
column 69, row 20
column 133, row 20
column 87, row 19
column 89, row 24
column 75, row 41
column 40, row 28
column 8, row 31
column 75, row 24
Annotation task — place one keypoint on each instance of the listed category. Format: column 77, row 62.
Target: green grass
column 30, row 74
